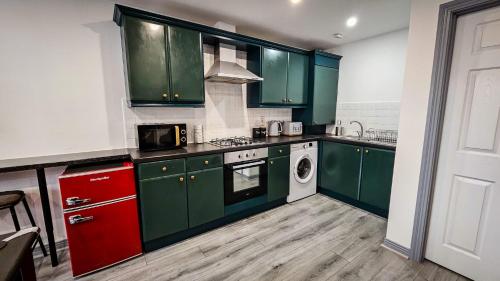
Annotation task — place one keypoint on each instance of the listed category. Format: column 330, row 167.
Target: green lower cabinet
column 340, row 166
column 278, row 174
column 376, row 177
column 163, row 206
column 205, row 195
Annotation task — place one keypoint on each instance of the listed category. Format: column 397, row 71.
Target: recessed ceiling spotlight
column 338, row 35
column 295, row 1
column 352, row 21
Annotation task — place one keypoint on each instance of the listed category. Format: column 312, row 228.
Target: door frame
column 445, row 40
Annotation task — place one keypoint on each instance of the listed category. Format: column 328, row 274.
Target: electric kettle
column 274, row 128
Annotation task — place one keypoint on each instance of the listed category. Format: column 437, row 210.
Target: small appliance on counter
column 259, row 133
column 161, row 136
column 100, row 214
column 274, row 128
column 292, row 128
column 198, row 134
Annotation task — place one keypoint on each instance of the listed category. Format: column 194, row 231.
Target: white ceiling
column 308, row 24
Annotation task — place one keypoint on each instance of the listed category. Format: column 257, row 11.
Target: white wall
column 372, row 70
column 416, row 88
column 371, row 80
column 61, row 78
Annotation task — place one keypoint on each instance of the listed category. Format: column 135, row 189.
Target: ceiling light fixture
column 295, row 1
column 338, row 35
column 352, row 21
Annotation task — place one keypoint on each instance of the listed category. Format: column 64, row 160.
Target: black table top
column 12, row 254
column 30, row 163
column 19, row 164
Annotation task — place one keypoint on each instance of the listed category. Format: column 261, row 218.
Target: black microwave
column 161, row 136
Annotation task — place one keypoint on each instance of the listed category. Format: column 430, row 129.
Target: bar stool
column 9, row 199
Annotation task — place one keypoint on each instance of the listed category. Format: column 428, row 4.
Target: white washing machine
column 303, row 165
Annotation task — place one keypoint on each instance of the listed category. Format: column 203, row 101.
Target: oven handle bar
column 247, row 165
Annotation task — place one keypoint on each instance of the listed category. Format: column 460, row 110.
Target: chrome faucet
column 360, row 132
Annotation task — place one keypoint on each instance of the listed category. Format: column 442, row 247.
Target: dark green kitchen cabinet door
column 274, row 72
column 340, row 168
column 205, row 196
column 163, row 206
column 278, row 178
column 325, row 94
column 146, row 63
column 186, row 65
column 297, row 81
column 376, row 177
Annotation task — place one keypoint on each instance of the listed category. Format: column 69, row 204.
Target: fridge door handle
column 79, row 219
column 72, row 201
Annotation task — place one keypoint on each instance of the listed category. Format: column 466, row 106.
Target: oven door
column 244, row 180
column 158, row 137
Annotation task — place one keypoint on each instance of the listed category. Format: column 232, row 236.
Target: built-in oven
column 245, row 175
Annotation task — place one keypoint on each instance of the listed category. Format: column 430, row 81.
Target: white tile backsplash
column 376, row 115
column 225, row 113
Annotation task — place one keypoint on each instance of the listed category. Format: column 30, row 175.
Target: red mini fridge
column 100, row 215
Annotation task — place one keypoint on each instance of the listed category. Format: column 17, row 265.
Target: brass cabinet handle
column 271, row 162
column 164, row 168
column 181, row 179
column 283, row 100
column 176, row 96
column 165, row 96
column 192, row 178
column 289, row 100
column 281, row 151
column 206, row 162
column 366, row 151
column 357, row 150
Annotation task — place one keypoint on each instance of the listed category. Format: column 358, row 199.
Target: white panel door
column 464, row 231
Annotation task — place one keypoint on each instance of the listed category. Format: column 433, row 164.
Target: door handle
column 181, row 179
column 177, row 136
column 206, row 162
column 72, row 201
column 79, row 219
column 193, row 178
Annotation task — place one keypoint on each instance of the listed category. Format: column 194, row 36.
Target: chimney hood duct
column 225, row 69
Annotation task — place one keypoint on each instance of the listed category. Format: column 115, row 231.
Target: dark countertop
column 206, row 148
column 12, row 254
column 29, row 163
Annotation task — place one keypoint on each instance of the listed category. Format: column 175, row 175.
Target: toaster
column 292, row 128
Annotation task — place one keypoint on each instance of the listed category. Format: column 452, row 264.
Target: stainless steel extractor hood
column 225, row 69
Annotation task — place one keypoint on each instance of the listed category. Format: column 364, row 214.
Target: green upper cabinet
column 163, row 203
column 164, row 64
column 340, row 167
column 297, row 82
column 205, row 196
column 278, row 178
column 325, row 98
column 146, row 60
column 274, row 72
column 376, row 178
column 285, row 77
column 323, row 88
column 186, row 64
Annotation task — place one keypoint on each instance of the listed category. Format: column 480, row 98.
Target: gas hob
column 235, row 141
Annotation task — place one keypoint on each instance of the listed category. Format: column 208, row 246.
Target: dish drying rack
column 390, row 136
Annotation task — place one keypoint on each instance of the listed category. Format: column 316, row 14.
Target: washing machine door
column 303, row 169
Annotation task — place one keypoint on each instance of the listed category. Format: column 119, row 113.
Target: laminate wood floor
column 317, row 238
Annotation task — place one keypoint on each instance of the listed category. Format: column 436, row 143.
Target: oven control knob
column 183, row 139
column 254, row 154
column 183, row 132
column 239, row 156
column 248, row 155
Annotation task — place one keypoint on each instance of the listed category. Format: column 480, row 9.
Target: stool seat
column 10, row 198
